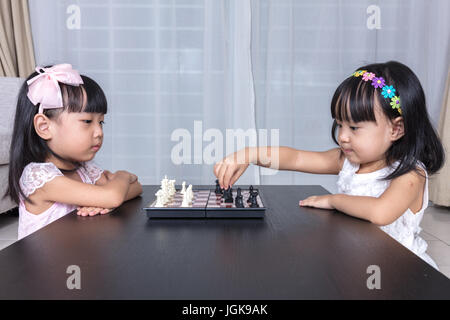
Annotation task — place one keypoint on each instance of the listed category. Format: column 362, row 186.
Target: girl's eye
column 353, row 128
column 339, row 125
column 102, row 122
column 87, row 121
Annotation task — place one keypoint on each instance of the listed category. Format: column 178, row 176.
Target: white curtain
column 211, row 65
column 302, row 50
column 169, row 68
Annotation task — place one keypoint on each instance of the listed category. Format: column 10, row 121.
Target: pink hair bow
column 44, row 87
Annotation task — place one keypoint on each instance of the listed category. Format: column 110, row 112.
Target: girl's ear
column 397, row 129
column 42, row 126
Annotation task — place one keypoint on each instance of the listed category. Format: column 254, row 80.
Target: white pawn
column 172, row 187
column 190, row 193
column 183, row 189
column 186, row 202
column 159, row 199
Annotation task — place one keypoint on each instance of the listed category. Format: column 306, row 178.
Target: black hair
column 355, row 99
column 27, row 146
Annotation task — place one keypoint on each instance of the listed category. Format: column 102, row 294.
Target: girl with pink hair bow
column 58, row 129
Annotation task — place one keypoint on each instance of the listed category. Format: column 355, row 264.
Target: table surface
column 293, row 253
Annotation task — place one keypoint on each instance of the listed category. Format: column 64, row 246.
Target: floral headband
column 387, row 91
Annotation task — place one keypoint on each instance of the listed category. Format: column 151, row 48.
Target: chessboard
column 209, row 203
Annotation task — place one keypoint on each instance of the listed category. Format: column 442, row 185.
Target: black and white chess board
column 208, row 203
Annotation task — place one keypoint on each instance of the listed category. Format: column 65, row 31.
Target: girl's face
column 77, row 136
column 366, row 142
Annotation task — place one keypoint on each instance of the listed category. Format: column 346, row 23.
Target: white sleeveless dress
column 406, row 228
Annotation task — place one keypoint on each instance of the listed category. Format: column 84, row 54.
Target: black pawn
column 218, row 189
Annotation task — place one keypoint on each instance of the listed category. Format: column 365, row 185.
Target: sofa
column 9, row 88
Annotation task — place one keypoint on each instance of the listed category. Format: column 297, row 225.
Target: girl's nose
column 98, row 133
column 343, row 136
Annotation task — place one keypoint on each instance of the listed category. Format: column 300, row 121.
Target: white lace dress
column 406, row 228
column 34, row 176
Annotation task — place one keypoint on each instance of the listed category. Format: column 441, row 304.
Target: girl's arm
column 286, row 158
column 233, row 166
column 66, row 190
column 401, row 194
column 134, row 190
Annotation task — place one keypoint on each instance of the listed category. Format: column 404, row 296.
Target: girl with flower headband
column 58, row 129
column 387, row 149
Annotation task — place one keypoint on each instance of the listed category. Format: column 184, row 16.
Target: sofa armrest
column 9, row 89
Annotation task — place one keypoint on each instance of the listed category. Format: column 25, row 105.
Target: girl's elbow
column 116, row 199
column 380, row 218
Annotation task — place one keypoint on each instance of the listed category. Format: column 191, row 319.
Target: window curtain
column 177, row 75
column 440, row 184
column 16, row 45
column 204, row 66
column 302, row 50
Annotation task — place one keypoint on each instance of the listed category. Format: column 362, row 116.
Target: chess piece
column 238, row 201
column 172, row 189
column 228, row 195
column 159, row 199
column 183, row 189
column 186, row 202
column 254, row 202
column 249, row 200
column 190, row 193
column 219, row 190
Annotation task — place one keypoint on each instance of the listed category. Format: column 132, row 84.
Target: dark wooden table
column 293, row 253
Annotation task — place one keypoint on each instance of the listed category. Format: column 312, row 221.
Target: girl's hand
column 108, row 175
column 322, row 202
column 92, row 211
column 230, row 168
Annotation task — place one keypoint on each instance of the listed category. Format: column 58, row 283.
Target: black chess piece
column 218, row 189
column 254, row 203
column 249, row 200
column 228, row 195
column 238, row 201
column 253, row 196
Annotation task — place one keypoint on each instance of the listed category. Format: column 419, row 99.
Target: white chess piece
column 186, row 202
column 164, row 185
column 172, row 187
column 183, row 189
column 190, row 193
column 159, row 199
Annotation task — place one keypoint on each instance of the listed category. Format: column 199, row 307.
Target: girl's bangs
column 353, row 101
